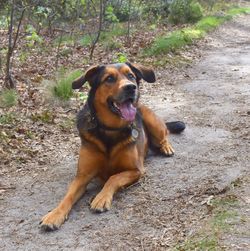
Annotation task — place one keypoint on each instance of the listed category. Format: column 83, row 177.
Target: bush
column 174, row 41
column 183, row 11
column 63, row 89
column 8, row 98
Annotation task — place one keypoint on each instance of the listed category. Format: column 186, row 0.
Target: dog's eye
column 110, row 79
column 131, row 76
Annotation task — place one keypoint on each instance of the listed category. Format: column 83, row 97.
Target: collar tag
column 135, row 133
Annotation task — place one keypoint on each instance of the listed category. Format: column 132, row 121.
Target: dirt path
column 165, row 207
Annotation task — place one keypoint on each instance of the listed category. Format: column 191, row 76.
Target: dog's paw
column 53, row 220
column 101, row 203
column 166, row 148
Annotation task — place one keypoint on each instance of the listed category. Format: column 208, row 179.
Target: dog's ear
column 88, row 76
column 142, row 72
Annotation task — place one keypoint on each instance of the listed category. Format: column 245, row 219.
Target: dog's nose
column 129, row 87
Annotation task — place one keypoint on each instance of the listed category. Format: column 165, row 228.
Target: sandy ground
column 212, row 96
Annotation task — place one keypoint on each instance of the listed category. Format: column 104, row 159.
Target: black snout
column 130, row 88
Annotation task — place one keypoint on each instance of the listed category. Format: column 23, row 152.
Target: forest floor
column 198, row 199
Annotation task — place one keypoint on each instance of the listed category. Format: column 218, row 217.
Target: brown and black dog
column 115, row 131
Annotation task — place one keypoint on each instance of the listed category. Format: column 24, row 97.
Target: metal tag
column 135, row 133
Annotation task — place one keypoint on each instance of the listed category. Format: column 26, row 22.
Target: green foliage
column 184, row 11
column 33, row 37
column 116, row 31
column 124, row 11
column 205, row 243
column 155, row 9
column 120, row 58
column 7, row 118
column 3, row 22
column 86, row 40
column 177, row 39
column 239, row 10
column 209, row 23
column 63, row 89
column 23, row 56
column 110, row 15
column 8, row 98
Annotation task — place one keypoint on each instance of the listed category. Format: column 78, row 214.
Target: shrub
column 7, row 118
column 174, row 41
column 183, row 11
column 62, row 89
column 8, row 98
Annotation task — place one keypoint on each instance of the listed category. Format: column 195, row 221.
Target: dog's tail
column 176, row 126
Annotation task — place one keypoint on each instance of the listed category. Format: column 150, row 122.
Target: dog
column 116, row 131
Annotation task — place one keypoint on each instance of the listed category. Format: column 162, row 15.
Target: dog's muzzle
column 125, row 103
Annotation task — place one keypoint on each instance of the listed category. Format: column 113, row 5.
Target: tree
column 12, row 39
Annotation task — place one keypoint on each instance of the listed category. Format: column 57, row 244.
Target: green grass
column 117, row 31
column 62, row 89
column 209, row 23
column 86, row 40
column 239, row 10
column 180, row 38
column 7, row 118
column 175, row 40
column 8, row 98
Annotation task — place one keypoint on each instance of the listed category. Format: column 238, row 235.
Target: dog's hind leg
column 87, row 169
column 156, row 130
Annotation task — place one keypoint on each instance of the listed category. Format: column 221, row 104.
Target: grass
column 7, row 118
column 62, row 89
column 86, row 40
column 8, row 98
column 239, row 10
column 209, row 23
column 117, row 31
column 223, row 217
column 180, row 38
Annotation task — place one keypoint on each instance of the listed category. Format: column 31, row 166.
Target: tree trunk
column 9, row 83
column 99, row 31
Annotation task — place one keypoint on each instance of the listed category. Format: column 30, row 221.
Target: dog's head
column 114, row 91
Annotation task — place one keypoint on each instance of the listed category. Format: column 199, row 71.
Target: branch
column 99, row 30
column 18, row 29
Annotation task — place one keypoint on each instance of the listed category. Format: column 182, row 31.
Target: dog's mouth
column 126, row 109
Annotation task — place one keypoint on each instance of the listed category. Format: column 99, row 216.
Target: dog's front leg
column 88, row 165
column 102, row 201
column 157, row 130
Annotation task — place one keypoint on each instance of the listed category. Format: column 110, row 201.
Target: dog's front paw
column 53, row 220
column 101, row 203
column 166, row 148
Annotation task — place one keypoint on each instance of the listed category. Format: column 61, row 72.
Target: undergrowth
column 186, row 36
column 62, row 88
column 7, row 118
column 8, row 98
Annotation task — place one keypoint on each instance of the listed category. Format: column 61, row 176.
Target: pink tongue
column 128, row 111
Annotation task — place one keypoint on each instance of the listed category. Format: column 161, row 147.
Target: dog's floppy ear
column 142, row 72
column 88, row 76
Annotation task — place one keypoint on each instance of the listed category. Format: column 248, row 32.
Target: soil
column 212, row 95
